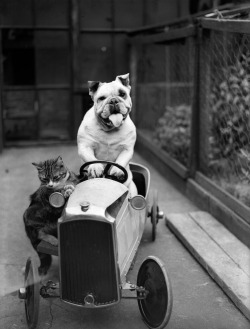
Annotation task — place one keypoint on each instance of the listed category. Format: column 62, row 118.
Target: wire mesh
column 164, row 95
column 225, row 112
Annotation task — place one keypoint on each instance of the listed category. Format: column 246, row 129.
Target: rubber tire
column 154, row 214
column 156, row 308
column 32, row 285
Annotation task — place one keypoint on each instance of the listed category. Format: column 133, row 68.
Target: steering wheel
column 107, row 168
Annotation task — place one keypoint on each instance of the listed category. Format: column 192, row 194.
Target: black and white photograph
column 125, row 164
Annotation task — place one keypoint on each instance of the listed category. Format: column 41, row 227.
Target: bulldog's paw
column 95, row 170
column 116, row 172
column 68, row 190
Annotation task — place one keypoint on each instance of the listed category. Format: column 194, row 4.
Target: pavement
column 198, row 302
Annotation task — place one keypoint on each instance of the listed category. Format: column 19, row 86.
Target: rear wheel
column 154, row 214
column 156, row 308
column 32, row 288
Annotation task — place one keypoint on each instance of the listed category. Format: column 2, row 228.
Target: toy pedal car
column 98, row 235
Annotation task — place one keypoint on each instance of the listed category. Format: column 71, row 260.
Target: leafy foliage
column 229, row 157
column 230, row 110
column 173, row 132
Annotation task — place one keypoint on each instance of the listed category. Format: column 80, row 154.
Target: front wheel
column 32, row 288
column 156, row 308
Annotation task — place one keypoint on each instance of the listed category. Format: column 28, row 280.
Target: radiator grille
column 87, row 262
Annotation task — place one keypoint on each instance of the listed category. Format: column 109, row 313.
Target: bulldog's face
column 112, row 101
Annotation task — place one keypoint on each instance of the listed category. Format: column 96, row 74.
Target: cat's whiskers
column 52, row 184
column 55, row 184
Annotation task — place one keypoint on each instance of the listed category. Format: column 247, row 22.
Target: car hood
column 99, row 192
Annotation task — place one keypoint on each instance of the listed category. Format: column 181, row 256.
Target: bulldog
column 107, row 132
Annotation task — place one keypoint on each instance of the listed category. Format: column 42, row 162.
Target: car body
column 100, row 226
column 99, row 233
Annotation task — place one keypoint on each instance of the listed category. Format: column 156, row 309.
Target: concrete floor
column 198, row 301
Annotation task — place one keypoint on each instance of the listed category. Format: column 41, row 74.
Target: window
column 18, row 57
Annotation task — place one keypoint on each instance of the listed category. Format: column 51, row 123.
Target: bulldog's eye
column 101, row 98
column 122, row 94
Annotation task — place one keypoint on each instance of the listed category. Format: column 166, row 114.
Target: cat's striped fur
column 40, row 218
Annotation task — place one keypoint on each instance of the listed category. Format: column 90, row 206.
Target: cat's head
column 52, row 173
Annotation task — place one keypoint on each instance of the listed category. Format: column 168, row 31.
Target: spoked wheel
column 156, row 308
column 32, row 285
column 154, row 214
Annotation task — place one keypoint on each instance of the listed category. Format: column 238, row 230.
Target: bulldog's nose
column 113, row 101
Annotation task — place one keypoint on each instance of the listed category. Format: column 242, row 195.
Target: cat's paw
column 52, row 240
column 68, row 190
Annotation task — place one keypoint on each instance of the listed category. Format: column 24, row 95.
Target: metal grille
column 225, row 112
column 87, row 262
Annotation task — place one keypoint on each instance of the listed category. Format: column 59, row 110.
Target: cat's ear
column 59, row 161
column 37, row 165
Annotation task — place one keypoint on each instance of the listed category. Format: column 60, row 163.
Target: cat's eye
column 56, row 177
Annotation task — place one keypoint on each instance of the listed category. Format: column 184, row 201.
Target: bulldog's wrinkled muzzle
column 114, row 101
column 113, row 113
column 114, row 106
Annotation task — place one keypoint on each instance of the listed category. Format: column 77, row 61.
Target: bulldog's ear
column 93, row 86
column 124, row 79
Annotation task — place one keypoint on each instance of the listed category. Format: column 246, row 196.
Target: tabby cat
column 40, row 218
